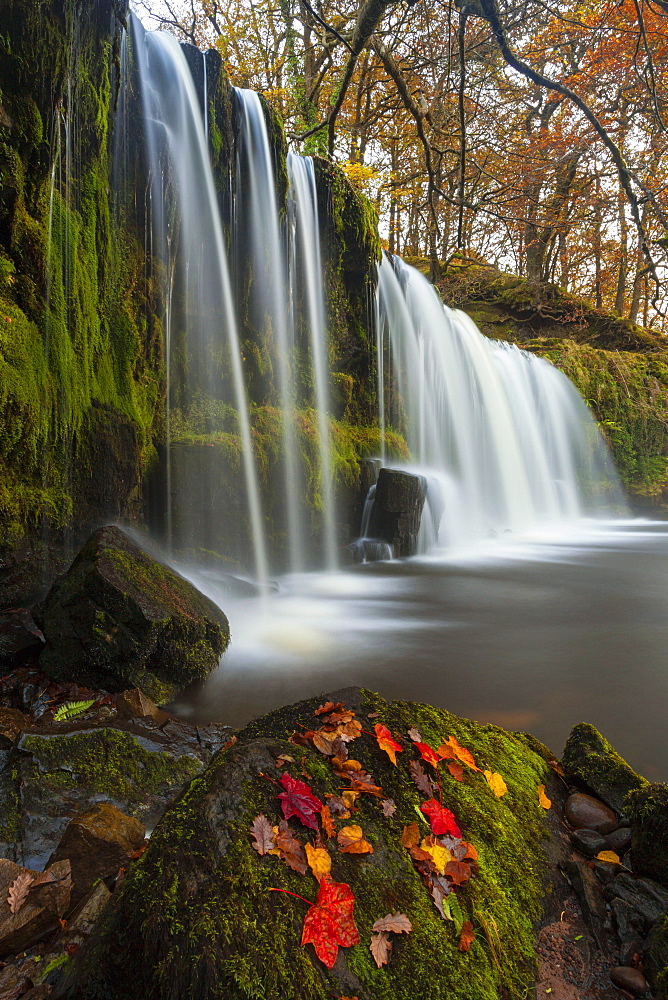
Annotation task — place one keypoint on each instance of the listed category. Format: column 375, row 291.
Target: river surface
column 537, row 635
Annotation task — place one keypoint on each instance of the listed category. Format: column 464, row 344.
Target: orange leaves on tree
column 386, row 743
column 329, row 924
column 467, row 936
column 351, row 840
column 298, row 800
column 452, row 748
column 441, row 819
column 543, row 799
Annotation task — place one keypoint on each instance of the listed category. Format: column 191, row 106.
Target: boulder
column 197, row 916
column 46, row 901
column 397, row 510
column 97, row 844
column 119, row 618
column 61, row 769
column 646, row 897
column 584, row 811
column 589, row 758
column 656, row 958
column 647, row 809
column 19, row 636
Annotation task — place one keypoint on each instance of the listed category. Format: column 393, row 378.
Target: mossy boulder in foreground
column 119, row 619
column 195, row 919
column 590, row 758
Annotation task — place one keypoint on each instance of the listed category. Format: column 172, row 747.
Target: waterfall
column 507, row 435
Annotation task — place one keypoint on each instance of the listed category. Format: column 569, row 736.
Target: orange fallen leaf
column 452, row 748
column 410, row 836
column 329, row 706
column 290, row 848
column 327, row 821
column 456, row 770
column 543, row 799
column 496, row 783
column 609, row 856
column 351, row 840
column 319, row 861
column 471, row 851
column 386, row 743
column 467, row 936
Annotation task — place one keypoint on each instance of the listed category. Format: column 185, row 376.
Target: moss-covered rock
column 195, row 917
column 591, row 759
column 656, row 958
column 120, row 619
column 647, row 809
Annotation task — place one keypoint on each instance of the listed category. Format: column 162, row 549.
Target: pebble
column 626, row 978
column 619, row 840
column 589, row 842
column 585, row 811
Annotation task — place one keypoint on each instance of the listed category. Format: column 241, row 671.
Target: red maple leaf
column 428, row 754
column 298, row 800
column 440, row 818
column 329, row 924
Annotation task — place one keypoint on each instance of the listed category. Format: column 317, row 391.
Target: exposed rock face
column 120, row 619
column 648, row 812
column 46, row 901
column 591, row 759
column 397, row 510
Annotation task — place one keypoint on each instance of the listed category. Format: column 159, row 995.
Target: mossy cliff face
column 80, row 357
column 195, row 918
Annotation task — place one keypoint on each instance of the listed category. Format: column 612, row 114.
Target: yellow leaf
column 608, row 856
column 274, row 850
column 439, row 855
column 319, row 861
column 543, row 799
column 349, row 798
column 351, row 840
column 496, row 783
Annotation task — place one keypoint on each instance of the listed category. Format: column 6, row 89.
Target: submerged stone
column 195, row 915
column 590, row 758
column 119, row 618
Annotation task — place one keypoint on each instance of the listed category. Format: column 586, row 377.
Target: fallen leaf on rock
column 373, row 715
column 262, row 834
column 389, row 807
column 441, row 819
column 349, row 731
column 351, row 840
column 291, row 851
column 543, row 799
column 298, row 800
column 284, row 759
column 496, row 783
column 414, row 735
column 456, row 770
column 439, row 855
column 410, row 836
column 440, row 891
column 329, row 706
column 349, row 799
column 346, row 764
column 608, row 856
column 428, row 754
column 467, row 936
column 360, row 781
column 324, row 742
column 329, row 924
column 386, row 743
column 421, row 779
column 397, row 923
column 327, row 821
column 319, row 861
column 471, row 852
column 380, row 948
column 18, row 891
column 556, row 767
column 452, row 748
column 337, row 805
column 458, row 872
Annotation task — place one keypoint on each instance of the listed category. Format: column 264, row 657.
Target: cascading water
column 508, row 436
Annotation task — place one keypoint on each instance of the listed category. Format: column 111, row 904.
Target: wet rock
column 46, row 902
column 591, row 899
column 589, row 842
column 626, row 978
column 13, row 983
column 97, row 844
column 655, row 958
column 591, row 759
column 119, row 619
column 619, row 840
column 19, row 636
column 12, row 722
column 61, row 770
column 605, row 871
column 647, row 898
column 81, row 923
column 38, row 993
column 585, row 811
column 647, row 810
column 397, row 510
column 134, row 704
column 630, row 925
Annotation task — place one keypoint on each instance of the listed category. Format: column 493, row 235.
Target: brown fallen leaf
column 327, row 821
column 389, row 807
column 467, row 936
column 410, row 836
column 351, row 840
column 349, row 798
column 291, row 850
column 284, row 758
column 319, row 861
column 337, row 805
column 18, row 891
column 420, row 778
column 458, row 872
column 397, row 923
column 471, row 852
column 262, row 834
column 329, row 706
column 324, row 742
column 381, row 948
column 456, row 770
column 373, row 715
column 414, row 735
column 556, row 767
column 543, row 799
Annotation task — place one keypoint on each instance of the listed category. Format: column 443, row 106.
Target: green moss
column 108, row 762
column 196, row 917
column 589, row 757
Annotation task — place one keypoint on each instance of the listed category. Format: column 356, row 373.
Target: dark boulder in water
column 397, row 510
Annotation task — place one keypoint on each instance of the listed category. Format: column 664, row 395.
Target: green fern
column 70, row 709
